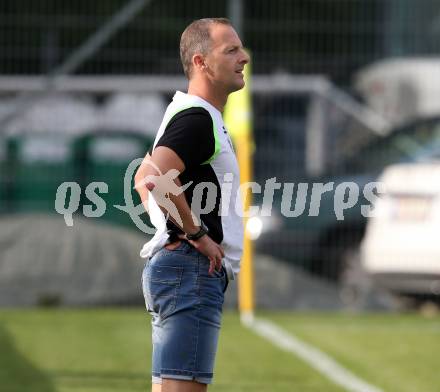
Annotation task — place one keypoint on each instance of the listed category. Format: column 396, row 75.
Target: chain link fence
column 333, row 38
column 80, row 78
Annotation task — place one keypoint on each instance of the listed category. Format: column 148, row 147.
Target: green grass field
column 105, row 350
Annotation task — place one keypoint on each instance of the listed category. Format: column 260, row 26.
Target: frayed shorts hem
column 202, row 379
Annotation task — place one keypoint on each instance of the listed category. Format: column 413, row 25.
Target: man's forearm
column 190, row 223
column 158, row 175
column 186, row 219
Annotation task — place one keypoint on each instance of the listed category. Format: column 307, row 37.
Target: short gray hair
column 197, row 39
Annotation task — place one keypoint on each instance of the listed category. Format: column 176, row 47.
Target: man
column 195, row 250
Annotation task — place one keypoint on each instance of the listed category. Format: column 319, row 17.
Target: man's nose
column 245, row 57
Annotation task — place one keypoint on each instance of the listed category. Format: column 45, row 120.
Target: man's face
column 226, row 59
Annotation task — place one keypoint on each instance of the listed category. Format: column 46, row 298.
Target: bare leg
column 156, row 387
column 169, row 385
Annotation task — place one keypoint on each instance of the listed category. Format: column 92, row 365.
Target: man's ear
column 198, row 61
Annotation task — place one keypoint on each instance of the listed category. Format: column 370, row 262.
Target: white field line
column 320, row 361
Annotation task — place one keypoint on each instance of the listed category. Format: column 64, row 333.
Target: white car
column 401, row 247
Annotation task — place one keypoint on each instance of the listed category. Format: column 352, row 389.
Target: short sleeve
column 190, row 135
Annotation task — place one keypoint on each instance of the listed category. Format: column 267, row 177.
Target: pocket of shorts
column 204, row 271
column 161, row 285
column 212, row 288
column 223, row 275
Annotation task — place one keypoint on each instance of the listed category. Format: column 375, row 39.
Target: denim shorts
column 185, row 303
